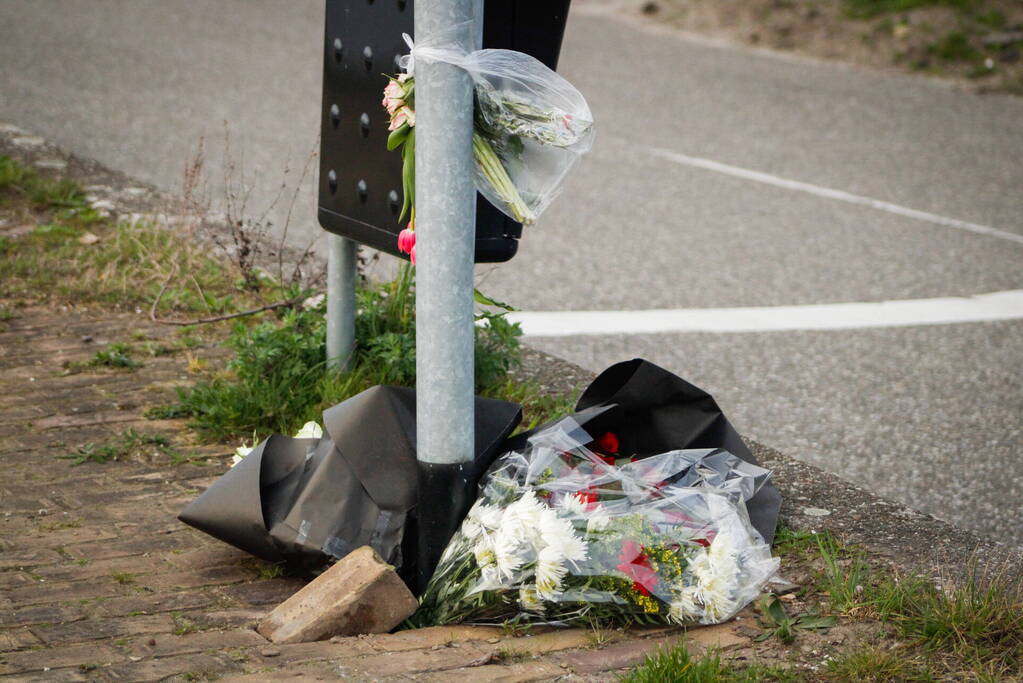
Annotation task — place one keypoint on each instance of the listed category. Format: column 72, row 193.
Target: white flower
column 550, row 570
column 310, row 430
column 573, row 505
column 240, row 453
column 598, row 521
column 716, row 574
column 684, row 607
column 486, row 516
column 522, row 518
column 510, row 554
column 529, row 599
column 483, row 550
column 559, row 535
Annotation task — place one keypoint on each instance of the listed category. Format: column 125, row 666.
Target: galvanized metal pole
column 341, row 255
column 445, row 228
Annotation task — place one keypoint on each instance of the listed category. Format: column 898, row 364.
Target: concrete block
column 359, row 594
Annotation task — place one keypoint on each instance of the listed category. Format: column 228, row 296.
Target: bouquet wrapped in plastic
column 568, row 531
column 530, row 128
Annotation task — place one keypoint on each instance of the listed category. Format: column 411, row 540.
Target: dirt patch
column 978, row 43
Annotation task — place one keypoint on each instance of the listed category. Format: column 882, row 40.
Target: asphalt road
column 930, row 415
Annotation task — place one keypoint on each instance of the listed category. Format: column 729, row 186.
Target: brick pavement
column 100, row 582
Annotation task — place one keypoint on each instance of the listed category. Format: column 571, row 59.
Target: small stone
column 134, row 659
column 102, row 205
column 359, row 594
column 88, row 238
column 151, row 642
column 816, row 512
column 493, row 640
column 270, row 652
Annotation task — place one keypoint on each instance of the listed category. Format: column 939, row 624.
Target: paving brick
column 52, row 591
column 432, row 636
column 413, row 661
column 300, row 653
column 542, row 643
column 236, row 618
column 40, row 614
column 358, row 594
column 217, row 555
column 154, row 603
column 28, row 557
column 215, row 576
column 17, row 639
column 165, row 645
column 62, row 537
column 10, row 580
column 492, row 673
column 192, row 666
column 73, row 571
column 59, row 657
column 269, row 592
column 101, row 629
column 125, row 547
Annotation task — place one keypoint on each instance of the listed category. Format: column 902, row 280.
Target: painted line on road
column 1007, row 305
column 840, row 195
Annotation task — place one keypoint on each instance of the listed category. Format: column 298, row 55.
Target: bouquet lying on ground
column 530, row 126
column 567, row 531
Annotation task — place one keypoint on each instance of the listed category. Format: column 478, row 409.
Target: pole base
column 444, row 499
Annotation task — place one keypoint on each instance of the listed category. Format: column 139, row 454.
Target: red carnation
column 635, row 564
column 608, row 442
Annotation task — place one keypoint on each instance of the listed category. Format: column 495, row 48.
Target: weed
column 879, row 665
column 182, row 625
column 676, row 665
column 123, row 578
column 129, row 443
column 278, row 378
column 845, row 574
column 167, row 412
column 116, row 355
column 798, row 543
column 954, row 47
column 865, row 9
column 776, row 622
column 57, row 526
column 7, row 314
column 271, row 571
column 20, row 181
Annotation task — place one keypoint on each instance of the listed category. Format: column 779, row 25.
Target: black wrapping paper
column 306, row 501
column 652, row 411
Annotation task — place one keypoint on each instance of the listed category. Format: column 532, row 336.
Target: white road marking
column 799, row 186
column 1006, row 305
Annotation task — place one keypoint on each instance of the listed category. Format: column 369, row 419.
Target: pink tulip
column 412, row 255
column 407, row 240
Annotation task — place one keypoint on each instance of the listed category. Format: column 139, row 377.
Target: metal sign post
column 445, row 218
column 340, row 300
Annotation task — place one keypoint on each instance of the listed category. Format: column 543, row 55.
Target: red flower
column 635, row 564
column 607, row 442
column 412, row 255
column 607, row 459
column 588, row 497
column 407, row 239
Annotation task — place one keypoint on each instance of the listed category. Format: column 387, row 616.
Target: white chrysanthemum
column 685, row 608
column 574, row 505
column 550, row 570
column 522, row 518
column 558, row 534
column 487, row 516
column 530, row 599
column 310, row 430
column 484, row 553
column 471, row 529
column 598, row 520
column 716, row 575
column 510, row 554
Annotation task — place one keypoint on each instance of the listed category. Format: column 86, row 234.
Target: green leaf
column 485, row 300
column 773, row 609
column 813, row 621
column 398, row 136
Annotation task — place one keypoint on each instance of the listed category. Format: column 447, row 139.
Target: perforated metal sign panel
column 360, row 181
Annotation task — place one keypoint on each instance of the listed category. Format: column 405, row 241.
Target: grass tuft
column 676, row 665
column 124, row 446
